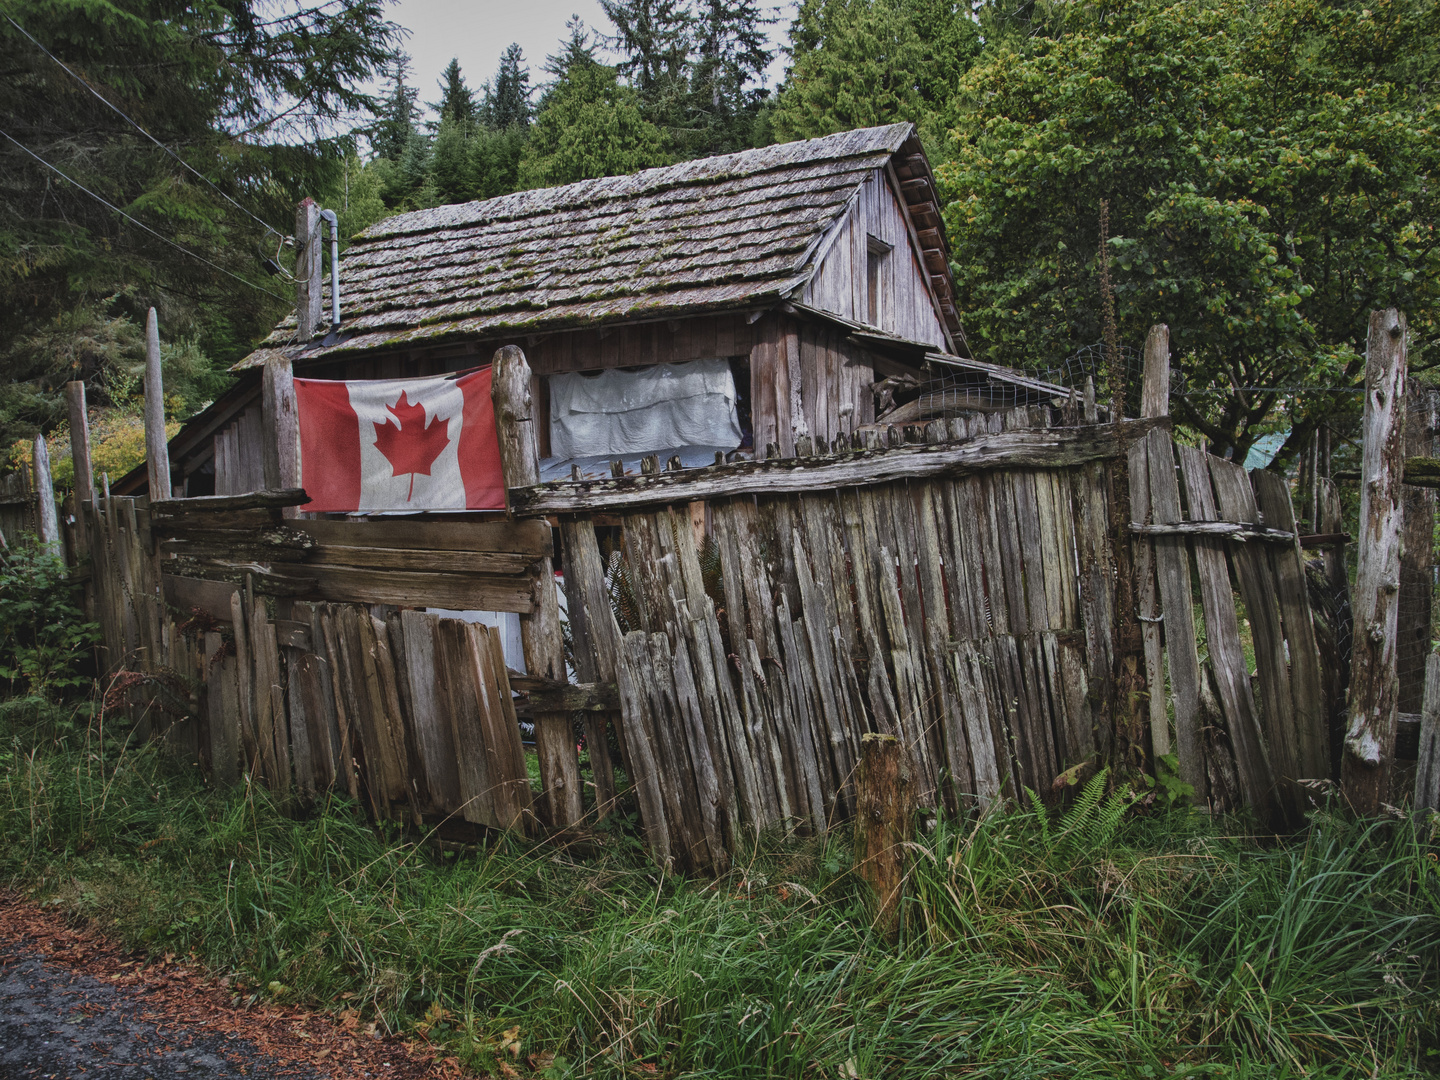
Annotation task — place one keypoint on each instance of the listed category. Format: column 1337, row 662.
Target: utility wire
column 141, row 224
column 106, row 101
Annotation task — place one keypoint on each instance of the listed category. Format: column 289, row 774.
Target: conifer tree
column 731, row 54
column 654, row 38
column 457, row 101
column 507, row 100
column 396, row 120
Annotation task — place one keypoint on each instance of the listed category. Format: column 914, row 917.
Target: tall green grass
column 1086, row 946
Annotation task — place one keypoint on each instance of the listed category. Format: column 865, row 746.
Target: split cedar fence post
column 84, row 497
column 1374, row 691
column 47, row 521
column 281, row 444
column 1154, row 401
column 84, row 476
column 539, row 630
column 1422, row 405
column 157, row 450
column 884, row 822
column 1427, row 767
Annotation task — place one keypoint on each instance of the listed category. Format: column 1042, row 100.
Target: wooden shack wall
column 832, row 376
column 840, row 282
column 807, row 378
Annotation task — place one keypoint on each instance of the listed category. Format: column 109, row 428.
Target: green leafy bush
column 43, row 633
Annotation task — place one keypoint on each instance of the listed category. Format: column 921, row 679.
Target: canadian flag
column 400, row 444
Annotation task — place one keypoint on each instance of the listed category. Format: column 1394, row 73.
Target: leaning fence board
column 1172, row 569
column 427, row 721
column 224, row 707
column 1222, row 631
column 1235, row 500
column 1427, row 764
column 1287, row 567
column 1148, row 598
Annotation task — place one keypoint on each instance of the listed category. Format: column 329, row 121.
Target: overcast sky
column 476, row 32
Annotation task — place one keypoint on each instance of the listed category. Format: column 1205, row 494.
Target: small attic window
column 877, row 251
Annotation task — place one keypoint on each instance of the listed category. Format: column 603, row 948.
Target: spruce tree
column 507, row 99
column 576, row 48
column 396, row 120
column 457, row 101
column 731, row 55
column 654, row 37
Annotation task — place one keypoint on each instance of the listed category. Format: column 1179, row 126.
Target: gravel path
column 55, row 1022
column 73, row 1004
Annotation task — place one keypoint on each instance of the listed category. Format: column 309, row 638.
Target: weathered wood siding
column 840, row 282
column 807, row 378
column 239, row 453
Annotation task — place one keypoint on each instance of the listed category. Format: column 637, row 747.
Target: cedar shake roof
column 719, row 233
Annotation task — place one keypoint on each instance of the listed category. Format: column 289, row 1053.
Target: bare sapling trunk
column 1374, row 687
column 884, row 822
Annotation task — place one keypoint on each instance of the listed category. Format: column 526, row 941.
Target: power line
column 141, row 224
column 106, row 101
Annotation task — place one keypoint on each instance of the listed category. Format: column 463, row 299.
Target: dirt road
column 74, row 1005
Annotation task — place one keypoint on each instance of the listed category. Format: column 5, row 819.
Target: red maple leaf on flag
column 412, row 445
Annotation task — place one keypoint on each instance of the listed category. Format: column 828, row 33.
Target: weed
column 1093, row 945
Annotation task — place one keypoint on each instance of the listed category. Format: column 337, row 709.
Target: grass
column 1090, row 946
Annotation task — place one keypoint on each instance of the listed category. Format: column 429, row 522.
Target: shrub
column 43, row 633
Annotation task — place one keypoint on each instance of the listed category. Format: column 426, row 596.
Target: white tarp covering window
column 667, row 407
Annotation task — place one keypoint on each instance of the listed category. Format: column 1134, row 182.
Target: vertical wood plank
column 540, row 629
column 281, row 424
column 47, row 520
column 1427, row 766
column 1172, row 567
column 1236, row 502
column 1227, row 657
column 1287, row 567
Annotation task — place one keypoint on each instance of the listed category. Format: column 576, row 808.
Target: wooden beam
column 309, row 279
column 1229, row 530
column 540, row 633
column 1324, row 540
column 1374, row 692
column 544, row 695
column 157, row 449
column 1048, row 448
column 213, row 503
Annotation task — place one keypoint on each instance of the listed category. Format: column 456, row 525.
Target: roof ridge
column 695, row 172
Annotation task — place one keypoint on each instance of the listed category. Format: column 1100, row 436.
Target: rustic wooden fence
column 410, row 712
column 1017, row 597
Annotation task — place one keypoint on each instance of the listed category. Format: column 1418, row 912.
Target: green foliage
column 1268, row 169
column 1180, row 949
column 856, row 64
column 589, row 125
column 507, row 99
column 246, row 97
column 43, row 634
column 457, row 101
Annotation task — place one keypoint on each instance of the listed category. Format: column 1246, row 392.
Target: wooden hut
column 812, row 270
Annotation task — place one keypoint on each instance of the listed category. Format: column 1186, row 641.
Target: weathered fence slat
column 1172, row 567
column 1222, row 632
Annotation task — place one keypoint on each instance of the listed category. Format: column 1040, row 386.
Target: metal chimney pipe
column 329, row 217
